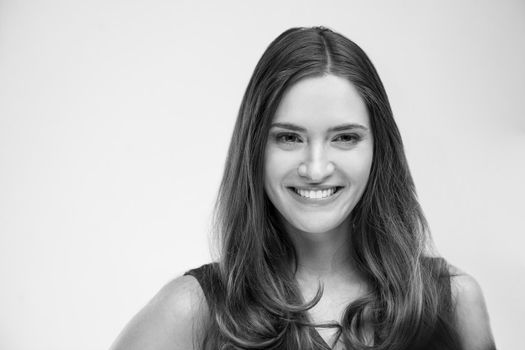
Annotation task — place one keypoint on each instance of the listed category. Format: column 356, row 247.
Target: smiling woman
column 318, row 155
column 324, row 244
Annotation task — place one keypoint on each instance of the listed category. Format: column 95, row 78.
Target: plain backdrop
column 115, row 117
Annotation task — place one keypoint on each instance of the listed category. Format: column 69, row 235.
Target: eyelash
column 280, row 137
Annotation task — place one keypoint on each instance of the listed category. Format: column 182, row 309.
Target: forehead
column 318, row 102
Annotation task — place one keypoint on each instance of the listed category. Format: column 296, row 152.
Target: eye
column 287, row 138
column 348, row 138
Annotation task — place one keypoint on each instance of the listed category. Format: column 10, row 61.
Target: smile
column 316, row 194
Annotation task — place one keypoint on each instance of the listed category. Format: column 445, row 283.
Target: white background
column 115, row 118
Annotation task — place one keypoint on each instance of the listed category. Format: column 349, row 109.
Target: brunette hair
column 256, row 303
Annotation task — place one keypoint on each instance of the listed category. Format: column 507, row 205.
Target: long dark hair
column 256, row 302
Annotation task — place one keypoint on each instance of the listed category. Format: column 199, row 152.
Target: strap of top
column 207, row 277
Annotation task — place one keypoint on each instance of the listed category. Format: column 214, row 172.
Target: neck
column 323, row 256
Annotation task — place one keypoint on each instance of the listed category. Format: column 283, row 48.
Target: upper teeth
column 319, row 194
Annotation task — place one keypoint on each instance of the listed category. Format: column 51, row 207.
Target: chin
column 317, row 226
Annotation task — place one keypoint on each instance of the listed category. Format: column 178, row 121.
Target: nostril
column 302, row 170
column 316, row 170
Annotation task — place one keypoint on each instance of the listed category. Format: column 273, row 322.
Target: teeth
column 316, row 194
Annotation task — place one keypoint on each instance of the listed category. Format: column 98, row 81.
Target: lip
column 315, row 201
column 316, row 188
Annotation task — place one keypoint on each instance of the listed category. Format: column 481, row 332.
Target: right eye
column 287, row 138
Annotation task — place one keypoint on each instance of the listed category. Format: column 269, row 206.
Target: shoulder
column 471, row 313
column 173, row 319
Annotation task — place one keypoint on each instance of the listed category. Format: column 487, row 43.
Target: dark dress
column 442, row 338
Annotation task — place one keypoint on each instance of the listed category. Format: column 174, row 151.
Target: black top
column 443, row 338
column 206, row 274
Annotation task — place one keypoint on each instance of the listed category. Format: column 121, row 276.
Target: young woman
column 324, row 244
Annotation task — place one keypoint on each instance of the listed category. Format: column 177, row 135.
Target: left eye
column 346, row 138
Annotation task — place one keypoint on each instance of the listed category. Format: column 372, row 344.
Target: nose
column 316, row 167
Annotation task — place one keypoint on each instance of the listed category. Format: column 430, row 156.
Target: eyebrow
column 342, row 127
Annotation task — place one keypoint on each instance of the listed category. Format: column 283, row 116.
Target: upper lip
column 315, row 188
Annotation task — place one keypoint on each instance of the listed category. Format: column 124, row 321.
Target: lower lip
column 315, row 201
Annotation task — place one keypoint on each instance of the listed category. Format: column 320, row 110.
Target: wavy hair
column 255, row 302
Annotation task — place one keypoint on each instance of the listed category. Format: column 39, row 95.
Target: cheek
column 271, row 173
column 357, row 168
column 276, row 166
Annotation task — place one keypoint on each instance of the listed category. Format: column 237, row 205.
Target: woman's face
column 319, row 153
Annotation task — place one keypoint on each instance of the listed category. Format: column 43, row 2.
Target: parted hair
column 255, row 302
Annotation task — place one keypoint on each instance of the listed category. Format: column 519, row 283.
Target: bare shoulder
column 471, row 312
column 171, row 320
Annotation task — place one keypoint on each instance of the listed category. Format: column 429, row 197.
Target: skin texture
column 471, row 313
column 171, row 320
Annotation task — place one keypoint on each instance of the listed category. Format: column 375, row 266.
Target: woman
column 324, row 244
